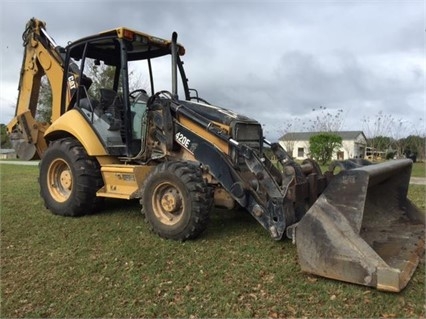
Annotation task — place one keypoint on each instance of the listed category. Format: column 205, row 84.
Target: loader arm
column 256, row 189
column 356, row 226
column 41, row 57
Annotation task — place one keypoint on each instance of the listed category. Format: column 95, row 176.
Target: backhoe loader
column 181, row 155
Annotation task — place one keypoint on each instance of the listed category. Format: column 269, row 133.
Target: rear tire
column 176, row 201
column 69, row 179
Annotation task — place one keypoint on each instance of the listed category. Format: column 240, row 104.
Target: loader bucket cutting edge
column 363, row 229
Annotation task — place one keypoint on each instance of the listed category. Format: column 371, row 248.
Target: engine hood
column 217, row 113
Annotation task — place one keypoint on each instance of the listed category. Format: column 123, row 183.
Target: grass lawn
column 419, row 170
column 110, row 265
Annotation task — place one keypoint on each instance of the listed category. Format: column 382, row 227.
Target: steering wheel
column 133, row 94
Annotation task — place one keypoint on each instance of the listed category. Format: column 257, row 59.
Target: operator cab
column 107, row 87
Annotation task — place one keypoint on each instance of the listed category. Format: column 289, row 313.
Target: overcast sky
column 274, row 61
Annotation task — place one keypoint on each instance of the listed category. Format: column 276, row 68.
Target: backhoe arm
column 41, row 57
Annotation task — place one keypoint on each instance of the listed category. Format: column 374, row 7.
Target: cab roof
column 139, row 45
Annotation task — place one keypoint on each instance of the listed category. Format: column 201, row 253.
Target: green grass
column 419, row 170
column 111, row 265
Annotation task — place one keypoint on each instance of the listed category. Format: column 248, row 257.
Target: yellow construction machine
column 181, row 155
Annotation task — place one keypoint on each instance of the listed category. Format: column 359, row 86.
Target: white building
column 6, row 153
column 354, row 144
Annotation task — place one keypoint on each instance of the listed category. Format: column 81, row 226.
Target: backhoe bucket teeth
column 363, row 229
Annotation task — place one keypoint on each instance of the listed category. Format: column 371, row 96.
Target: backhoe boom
column 41, row 57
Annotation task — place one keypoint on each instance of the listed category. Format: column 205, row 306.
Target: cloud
column 270, row 60
column 7, row 110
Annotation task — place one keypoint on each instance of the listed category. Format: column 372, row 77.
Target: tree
column 326, row 120
column 389, row 134
column 5, row 142
column 415, row 145
column 102, row 77
column 44, row 104
column 288, row 130
column 323, row 120
column 323, row 145
column 398, row 132
column 381, row 143
column 377, row 129
column 378, row 125
column 416, row 141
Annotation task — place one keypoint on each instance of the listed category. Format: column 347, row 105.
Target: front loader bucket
column 363, row 229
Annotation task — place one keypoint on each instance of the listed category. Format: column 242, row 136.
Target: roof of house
column 304, row 136
column 6, row 150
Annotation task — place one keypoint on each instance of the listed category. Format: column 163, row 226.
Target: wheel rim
column 168, row 204
column 59, row 179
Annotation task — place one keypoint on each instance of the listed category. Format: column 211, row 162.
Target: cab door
column 101, row 92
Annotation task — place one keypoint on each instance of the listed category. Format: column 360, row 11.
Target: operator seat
column 111, row 108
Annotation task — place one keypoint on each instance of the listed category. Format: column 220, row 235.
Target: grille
column 247, row 132
column 250, row 135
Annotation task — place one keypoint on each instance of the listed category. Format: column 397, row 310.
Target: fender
column 73, row 123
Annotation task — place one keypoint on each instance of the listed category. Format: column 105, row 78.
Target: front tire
column 176, row 201
column 69, row 179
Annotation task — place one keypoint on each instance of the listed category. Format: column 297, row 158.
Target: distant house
column 354, row 144
column 6, row 153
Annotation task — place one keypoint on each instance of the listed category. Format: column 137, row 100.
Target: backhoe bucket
column 363, row 229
